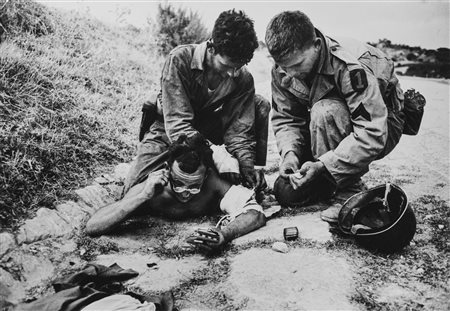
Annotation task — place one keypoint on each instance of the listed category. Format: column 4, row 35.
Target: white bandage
column 224, row 161
column 238, row 200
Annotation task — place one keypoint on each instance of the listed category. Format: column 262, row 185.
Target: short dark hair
column 234, row 36
column 289, row 31
column 190, row 153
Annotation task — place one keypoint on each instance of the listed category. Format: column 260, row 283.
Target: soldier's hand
column 308, row 172
column 207, row 239
column 155, row 183
column 248, row 177
column 260, row 178
column 233, row 178
column 289, row 165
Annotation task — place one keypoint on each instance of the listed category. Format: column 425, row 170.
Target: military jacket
column 225, row 117
column 364, row 78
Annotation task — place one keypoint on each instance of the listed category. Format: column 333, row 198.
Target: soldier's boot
column 331, row 214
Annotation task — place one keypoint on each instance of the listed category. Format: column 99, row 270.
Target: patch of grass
column 212, row 276
column 71, row 90
column 416, row 269
column 294, row 210
column 89, row 248
column 24, row 16
column 435, row 212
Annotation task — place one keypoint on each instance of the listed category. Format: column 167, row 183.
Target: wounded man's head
column 189, row 160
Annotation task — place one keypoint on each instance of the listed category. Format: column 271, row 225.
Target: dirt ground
column 320, row 271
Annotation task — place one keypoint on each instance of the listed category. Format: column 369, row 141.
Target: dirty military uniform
column 350, row 116
column 231, row 115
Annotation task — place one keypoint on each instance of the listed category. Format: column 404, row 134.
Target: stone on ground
column 7, row 242
column 121, row 171
column 93, row 197
column 11, row 290
column 72, row 211
column 47, row 223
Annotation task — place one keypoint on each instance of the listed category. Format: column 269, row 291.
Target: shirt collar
column 325, row 59
column 199, row 56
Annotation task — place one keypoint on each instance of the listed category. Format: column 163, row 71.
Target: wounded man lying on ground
column 189, row 186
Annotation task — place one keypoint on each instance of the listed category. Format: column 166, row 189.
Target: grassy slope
column 70, row 96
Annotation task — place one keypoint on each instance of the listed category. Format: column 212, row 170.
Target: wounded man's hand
column 207, row 239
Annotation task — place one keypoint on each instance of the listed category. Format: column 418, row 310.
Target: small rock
column 280, row 247
column 108, row 177
column 47, row 223
column 101, row 180
column 82, row 252
column 7, row 243
column 428, row 217
column 441, row 227
column 121, row 171
column 420, row 271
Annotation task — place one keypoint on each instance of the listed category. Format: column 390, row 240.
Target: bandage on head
column 191, row 183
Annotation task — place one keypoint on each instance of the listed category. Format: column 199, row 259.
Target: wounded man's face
column 186, row 185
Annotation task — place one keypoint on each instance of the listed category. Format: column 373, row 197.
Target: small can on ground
column 290, row 233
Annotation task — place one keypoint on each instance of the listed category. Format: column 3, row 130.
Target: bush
column 443, row 55
column 178, row 27
column 429, row 70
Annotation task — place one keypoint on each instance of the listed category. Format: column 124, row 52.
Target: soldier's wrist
column 246, row 165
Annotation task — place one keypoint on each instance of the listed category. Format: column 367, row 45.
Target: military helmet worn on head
column 379, row 218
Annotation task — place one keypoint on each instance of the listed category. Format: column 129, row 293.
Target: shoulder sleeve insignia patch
column 358, row 79
column 361, row 111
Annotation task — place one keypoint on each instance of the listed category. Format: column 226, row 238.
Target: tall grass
column 71, row 90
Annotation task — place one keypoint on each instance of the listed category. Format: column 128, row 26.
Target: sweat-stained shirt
column 225, row 116
column 364, row 78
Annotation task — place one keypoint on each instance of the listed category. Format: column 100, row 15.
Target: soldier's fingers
column 303, row 181
column 193, row 240
column 207, row 232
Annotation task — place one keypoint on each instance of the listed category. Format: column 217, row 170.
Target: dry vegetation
column 71, row 90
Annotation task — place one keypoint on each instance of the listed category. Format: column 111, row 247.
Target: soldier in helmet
column 337, row 107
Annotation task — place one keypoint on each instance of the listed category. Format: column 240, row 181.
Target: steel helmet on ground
column 379, row 218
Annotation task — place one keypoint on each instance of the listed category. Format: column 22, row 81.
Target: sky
column 423, row 23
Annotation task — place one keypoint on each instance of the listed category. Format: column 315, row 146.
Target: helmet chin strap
column 177, row 173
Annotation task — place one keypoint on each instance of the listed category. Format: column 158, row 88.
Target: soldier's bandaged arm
column 368, row 115
column 177, row 109
column 246, row 214
column 289, row 120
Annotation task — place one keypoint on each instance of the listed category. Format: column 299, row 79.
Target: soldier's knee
column 262, row 106
column 287, row 196
column 320, row 189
